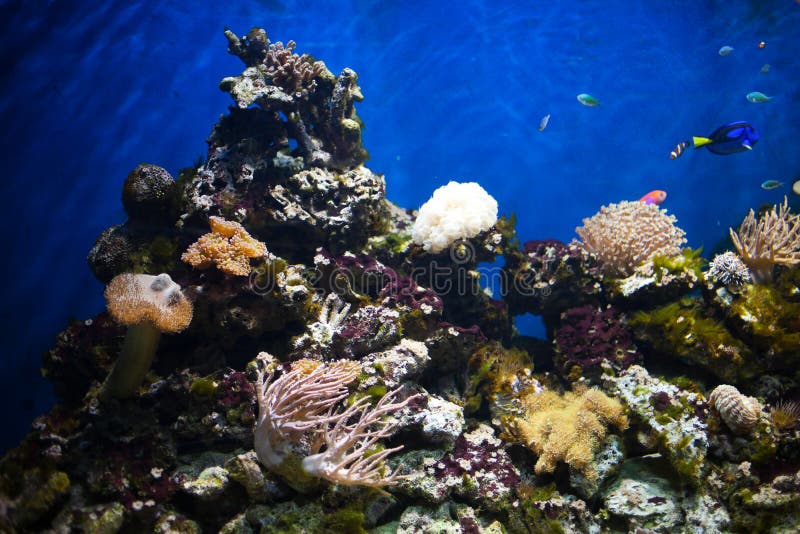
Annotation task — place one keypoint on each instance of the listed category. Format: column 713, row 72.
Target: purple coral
column 406, row 292
column 350, row 273
column 589, row 336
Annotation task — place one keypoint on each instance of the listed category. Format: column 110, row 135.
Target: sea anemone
column 785, row 415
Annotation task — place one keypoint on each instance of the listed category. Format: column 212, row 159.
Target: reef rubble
column 344, row 368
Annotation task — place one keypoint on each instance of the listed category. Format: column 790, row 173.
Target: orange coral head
column 228, row 246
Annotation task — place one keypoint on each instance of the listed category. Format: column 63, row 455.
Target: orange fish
column 654, row 197
column 676, row 153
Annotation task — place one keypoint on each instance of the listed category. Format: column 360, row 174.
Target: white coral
column 455, row 211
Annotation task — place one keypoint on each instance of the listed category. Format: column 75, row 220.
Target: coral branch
column 769, row 240
column 298, row 401
column 349, row 456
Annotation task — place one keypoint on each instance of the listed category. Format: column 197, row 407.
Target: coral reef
column 365, row 374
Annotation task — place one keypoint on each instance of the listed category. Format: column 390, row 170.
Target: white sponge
column 455, row 211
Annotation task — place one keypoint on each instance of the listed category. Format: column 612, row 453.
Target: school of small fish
column 728, row 139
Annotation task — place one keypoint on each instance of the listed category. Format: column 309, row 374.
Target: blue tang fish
column 735, row 137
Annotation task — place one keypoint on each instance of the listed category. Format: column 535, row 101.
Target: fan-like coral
column 769, row 240
column 627, row 234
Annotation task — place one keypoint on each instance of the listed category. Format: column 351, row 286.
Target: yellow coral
column 228, row 246
column 567, row 427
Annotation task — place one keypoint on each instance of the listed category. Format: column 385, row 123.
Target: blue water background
column 91, row 89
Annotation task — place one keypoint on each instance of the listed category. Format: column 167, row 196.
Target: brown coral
column 739, row 412
column 138, row 298
column 228, row 246
column 769, row 240
column 148, row 305
column 627, row 234
column 567, row 427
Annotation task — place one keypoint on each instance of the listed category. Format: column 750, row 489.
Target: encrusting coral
column 228, row 247
column 148, row 305
column 627, row 234
column 739, row 412
column 769, row 240
column 567, row 427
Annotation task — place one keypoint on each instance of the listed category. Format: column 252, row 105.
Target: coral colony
column 331, row 362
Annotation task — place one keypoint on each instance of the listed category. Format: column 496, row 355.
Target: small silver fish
column 725, row 50
column 543, row 122
column 771, row 184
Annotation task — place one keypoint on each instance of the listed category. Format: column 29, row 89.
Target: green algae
column 689, row 259
column 686, row 330
column 204, row 387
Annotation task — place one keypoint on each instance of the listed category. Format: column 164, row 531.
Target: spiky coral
column 228, row 246
column 568, row 427
column 628, row 234
column 769, row 240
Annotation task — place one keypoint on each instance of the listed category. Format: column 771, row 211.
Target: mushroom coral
column 228, row 246
column 148, row 305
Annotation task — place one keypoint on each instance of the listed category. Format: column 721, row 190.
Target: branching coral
column 228, row 246
column 276, row 63
column 296, row 402
column 567, row 427
column 769, row 240
column 628, row 234
column 349, row 447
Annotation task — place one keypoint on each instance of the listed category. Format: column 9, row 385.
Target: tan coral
column 137, row 298
column 628, row 234
column 769, row 240
column 739, row 412
column 568, row 427
column 228, row 246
